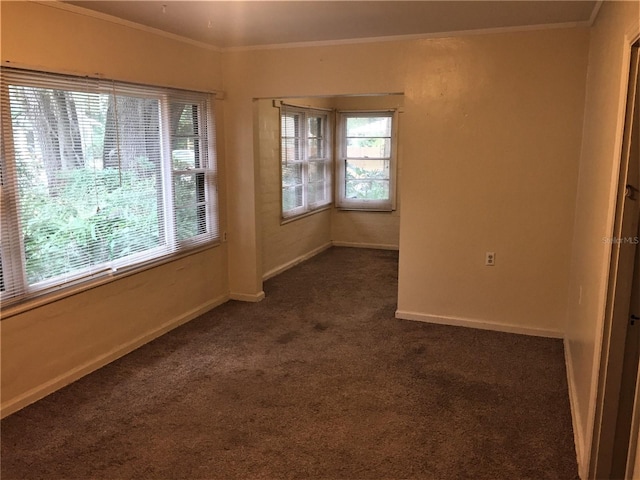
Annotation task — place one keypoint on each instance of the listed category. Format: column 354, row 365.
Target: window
column 99, row 177
column 366, row 165
column 305, row 160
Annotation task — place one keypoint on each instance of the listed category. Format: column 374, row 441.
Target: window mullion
column 167, row 174
column 12, row 245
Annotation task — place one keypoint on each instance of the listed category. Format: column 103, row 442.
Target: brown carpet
column 318, row 381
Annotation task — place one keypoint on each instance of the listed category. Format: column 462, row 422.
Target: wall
column 490, row 138
column 595, row 209
column 284, row 245
column 49, row 346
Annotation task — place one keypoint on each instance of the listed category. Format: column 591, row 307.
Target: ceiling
column 240, row 24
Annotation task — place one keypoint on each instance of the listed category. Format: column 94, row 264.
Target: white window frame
column 304, row 160
column 13, row 263
column 342, row 201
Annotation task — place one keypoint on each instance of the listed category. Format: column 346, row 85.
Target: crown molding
column 322, row 43
column 418, row 36
column 125, row 23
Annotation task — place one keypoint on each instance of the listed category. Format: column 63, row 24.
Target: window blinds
column 99, row 176
column 306, row 168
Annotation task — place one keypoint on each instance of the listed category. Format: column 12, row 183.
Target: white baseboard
column 378, row 246
column 286, row 266
column 41, row 391
column 480, row 324
column 247, row 297
column 578, row 434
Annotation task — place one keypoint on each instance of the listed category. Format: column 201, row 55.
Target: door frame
column 615, row 327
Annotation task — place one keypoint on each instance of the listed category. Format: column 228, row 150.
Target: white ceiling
column 233, row 24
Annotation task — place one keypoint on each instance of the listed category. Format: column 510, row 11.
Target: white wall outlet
column 490, row 259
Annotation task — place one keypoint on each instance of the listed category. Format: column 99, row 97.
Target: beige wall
column 50, row 346
column 491, row 145
column 599, row 166
column 490, row 139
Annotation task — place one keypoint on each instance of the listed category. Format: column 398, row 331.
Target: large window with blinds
column 99, row 177
column 305, row 160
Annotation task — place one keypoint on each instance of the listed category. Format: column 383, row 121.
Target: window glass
column 366, row 167
column 87, row 178
column 305, row 161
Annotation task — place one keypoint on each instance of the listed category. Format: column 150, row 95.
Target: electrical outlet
column 490, row 259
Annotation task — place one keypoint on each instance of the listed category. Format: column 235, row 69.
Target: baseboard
column 41, row 391
column 578, row 434
column 292, row 263
column 247, row 297
column 480, row 324
column 378, row 246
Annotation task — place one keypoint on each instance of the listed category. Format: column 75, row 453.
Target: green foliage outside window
column 97, row 216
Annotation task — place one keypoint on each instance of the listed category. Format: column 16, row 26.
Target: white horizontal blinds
column 192, row 171
column 292, row 161
column 305, row 160
column 85, row 180
column 319, row 159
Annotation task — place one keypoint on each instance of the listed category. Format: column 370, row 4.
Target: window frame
column 342, row 201
column 326, row 160
column 18, row 293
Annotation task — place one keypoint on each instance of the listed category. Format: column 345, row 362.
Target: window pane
column 367, row 169
column 315, row 148
column 315, row 126
column 190, row 209
column 317, row 192
column 184, row 189
column 368, row 147
column 367, row 189
column 185, row 153
column 291, row 198
column 290, row 125
column 291, row 150
column 368, row 126
column 292, row 175
column 184, row 119
column 189, row 221
column 317, row 171
column 89, row 187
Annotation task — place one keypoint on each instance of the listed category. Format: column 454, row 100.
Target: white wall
column 47, row 347
column 595, row 209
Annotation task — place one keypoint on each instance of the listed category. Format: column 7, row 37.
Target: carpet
column 317, row 381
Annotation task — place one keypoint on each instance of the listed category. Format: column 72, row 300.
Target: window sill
column 346, row 208
column 284, row 221
column 70, row 290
